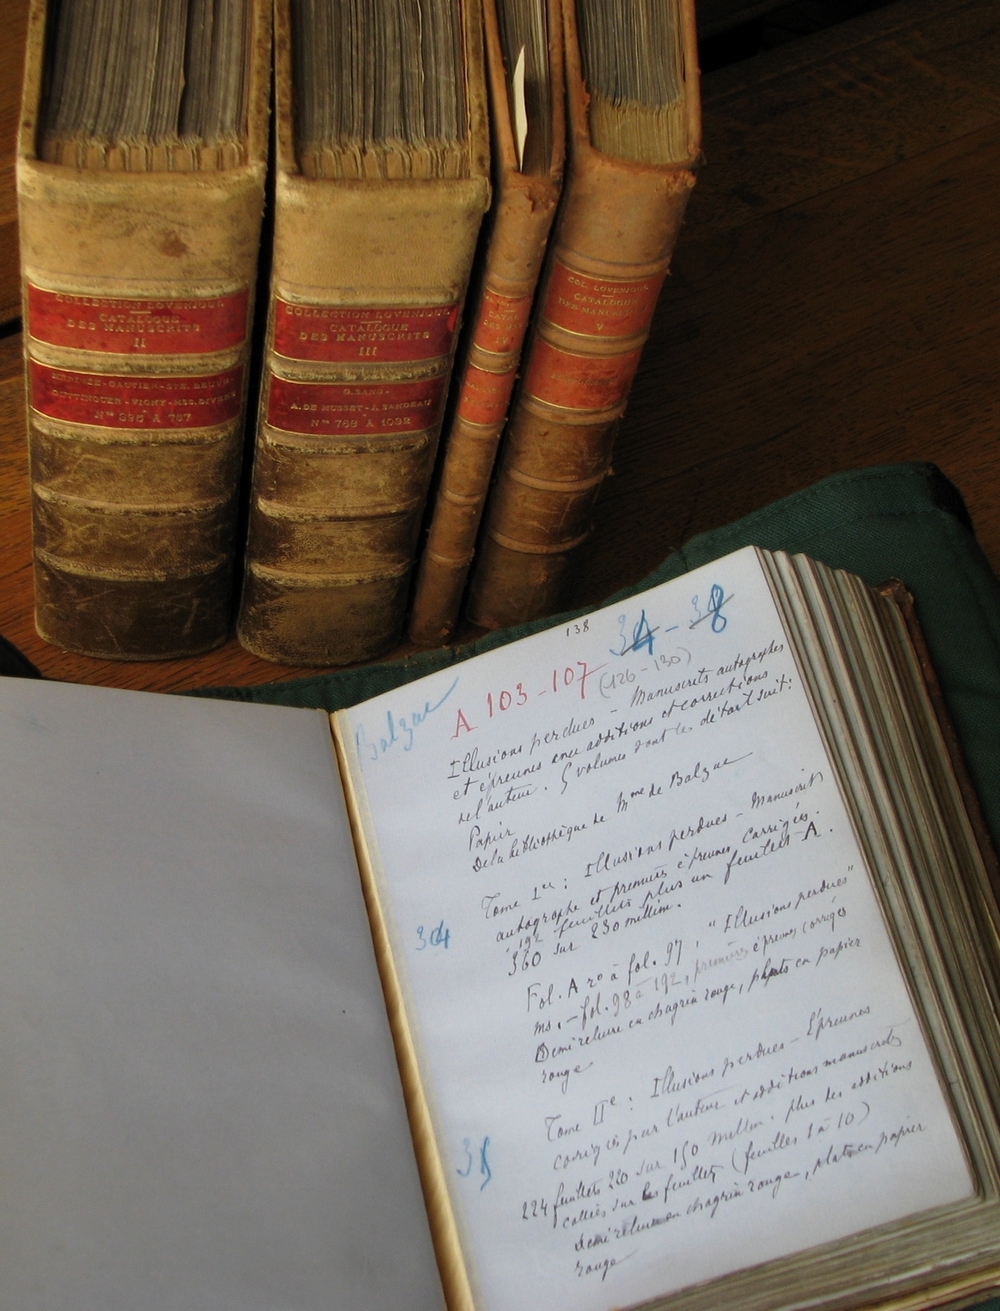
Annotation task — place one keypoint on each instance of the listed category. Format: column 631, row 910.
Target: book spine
column 521, row 229
column 367, row 287
column 134, row 461
column 600, row 292
column 524, row 208
column 350, row 415
column 136, row 387
column 617, row 228
column 368, row 280
column 137, row 296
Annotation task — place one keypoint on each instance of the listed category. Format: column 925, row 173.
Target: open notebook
column 688, row 978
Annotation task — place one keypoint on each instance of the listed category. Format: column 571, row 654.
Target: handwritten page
column 662, row 1028
column 201, row 1106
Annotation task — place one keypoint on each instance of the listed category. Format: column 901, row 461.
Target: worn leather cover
column 523, row 210
column 615, row 235
column 138, row 288
column 367, row 286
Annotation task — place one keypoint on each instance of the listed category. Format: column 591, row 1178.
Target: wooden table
column 833, row 304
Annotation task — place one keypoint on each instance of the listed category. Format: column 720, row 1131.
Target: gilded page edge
column 444, row 1231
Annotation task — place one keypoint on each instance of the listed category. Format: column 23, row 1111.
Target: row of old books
column 141, row 177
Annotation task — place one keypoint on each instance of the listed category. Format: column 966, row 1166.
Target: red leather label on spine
column 137, row 327
column 345, row 334
column 600, row 307
column 579, row 382
column 485, row 396
column 354, row 408
column 135, row 401
column 502, row 322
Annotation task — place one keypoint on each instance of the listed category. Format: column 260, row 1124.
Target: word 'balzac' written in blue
column 399, row 729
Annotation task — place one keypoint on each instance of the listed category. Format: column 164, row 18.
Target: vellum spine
column 367, row 286
column 137, row 299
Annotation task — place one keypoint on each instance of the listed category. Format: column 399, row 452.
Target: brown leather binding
column 367, row 286
column 615, row 235
column 524, row 207
column 138, row 288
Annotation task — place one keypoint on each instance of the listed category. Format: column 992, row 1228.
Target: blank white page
column 199, row 1102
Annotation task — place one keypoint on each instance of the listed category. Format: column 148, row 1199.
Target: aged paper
column 662, row 1029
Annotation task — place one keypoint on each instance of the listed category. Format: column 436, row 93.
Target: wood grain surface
column 856, row 328
column 833, row 304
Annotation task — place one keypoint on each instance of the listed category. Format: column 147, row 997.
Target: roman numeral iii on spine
column 382, row 181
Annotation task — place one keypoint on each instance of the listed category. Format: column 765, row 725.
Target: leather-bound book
column 634, row 132
column 140, row 186
column 382, row 182
column 610, row 989
column 524, row 60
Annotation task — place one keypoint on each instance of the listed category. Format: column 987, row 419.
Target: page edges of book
column 501, row 123
column 905, row 1291
column 850, row 746
column 852, row 1270
column 246, row 147
column 578, row 97
column 902, row 893
column 443, row 1227
column 966, row 1280
column 906, row 640
column 945, row 854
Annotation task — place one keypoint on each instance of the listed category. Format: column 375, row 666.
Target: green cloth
column 905, row 521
